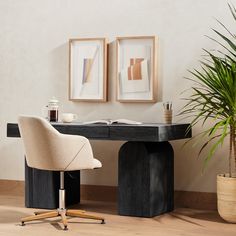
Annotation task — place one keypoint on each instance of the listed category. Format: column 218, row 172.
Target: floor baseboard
column 12, row 187
column 98, row 193
column 185, row 199
column 196, row 200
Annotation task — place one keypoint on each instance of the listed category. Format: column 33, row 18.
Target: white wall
column 34, row 67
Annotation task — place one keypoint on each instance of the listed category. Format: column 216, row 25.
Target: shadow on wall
column 107, row 153
column 59, row 71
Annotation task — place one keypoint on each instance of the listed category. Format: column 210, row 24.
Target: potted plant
column 214, row 98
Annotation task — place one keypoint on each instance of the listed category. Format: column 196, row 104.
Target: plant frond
column 214, row 92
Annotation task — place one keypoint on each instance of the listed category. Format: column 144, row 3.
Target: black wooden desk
column 146, row 164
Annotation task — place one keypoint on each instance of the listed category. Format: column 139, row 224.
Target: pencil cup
column 168, row 116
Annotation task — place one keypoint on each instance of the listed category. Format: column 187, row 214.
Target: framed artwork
column 136, row 69
column 88, row 69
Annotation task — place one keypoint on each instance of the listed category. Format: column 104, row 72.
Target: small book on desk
column 110, row 122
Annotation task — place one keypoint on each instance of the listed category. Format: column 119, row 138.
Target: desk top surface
column 150, row 132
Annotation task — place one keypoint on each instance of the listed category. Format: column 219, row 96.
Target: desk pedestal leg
column 146, row 179
column 41, row 188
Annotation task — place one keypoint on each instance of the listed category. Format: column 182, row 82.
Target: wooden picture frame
column 88, row 69
column 136, row 67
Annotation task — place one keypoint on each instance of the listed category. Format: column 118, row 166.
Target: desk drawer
column 129, row 133
column 90, row 131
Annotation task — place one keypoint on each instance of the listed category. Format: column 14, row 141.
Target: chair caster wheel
column 103, row 222
column 22, row 223
column 65, row 227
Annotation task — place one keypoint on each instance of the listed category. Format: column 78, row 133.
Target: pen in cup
column 167, row 105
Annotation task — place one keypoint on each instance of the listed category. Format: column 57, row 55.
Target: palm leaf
column 214, row 92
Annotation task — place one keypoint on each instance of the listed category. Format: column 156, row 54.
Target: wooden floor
column 180, row 222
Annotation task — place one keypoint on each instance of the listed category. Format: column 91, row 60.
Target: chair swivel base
column 63, row 213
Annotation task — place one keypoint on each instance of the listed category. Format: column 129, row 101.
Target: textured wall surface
column 34, row 67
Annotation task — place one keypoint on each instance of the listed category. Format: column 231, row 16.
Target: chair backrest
column 47, row 149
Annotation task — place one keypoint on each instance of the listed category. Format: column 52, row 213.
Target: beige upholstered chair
column 47, row 149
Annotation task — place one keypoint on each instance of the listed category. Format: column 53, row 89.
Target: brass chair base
column 63, row 213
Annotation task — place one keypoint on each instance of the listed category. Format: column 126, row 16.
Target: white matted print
column 136, row 69
column 88, row 69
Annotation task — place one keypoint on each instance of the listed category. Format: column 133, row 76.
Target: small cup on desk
column 68, row 117
column 168, row 116
column 167, row 112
